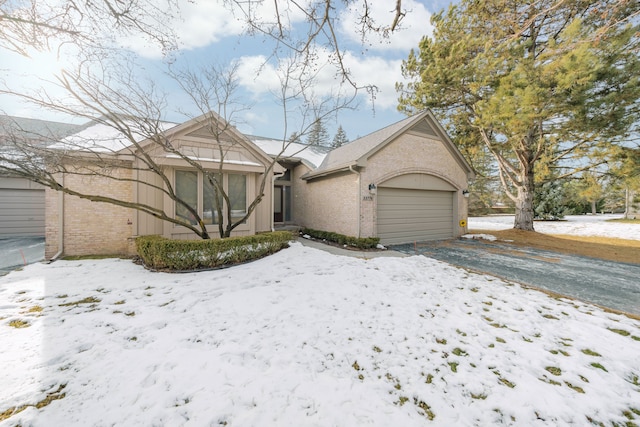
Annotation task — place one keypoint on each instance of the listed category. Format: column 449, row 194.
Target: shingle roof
column 311, row 155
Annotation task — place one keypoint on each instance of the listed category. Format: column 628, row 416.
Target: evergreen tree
column 340, row 138
column 541, row 84
column 318, row 134
column 295, row 138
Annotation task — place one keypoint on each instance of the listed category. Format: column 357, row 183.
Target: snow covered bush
column 160, row 253
column 341, row 239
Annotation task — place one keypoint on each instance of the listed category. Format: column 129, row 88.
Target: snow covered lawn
column 305, row 338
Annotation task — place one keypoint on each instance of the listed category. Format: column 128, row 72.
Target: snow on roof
column 312, row 155
column 103, row 138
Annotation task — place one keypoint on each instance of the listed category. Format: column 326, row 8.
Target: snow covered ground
column 306, row 338
column 580, row 225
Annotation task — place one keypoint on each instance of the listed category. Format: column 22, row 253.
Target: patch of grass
column 506, row 382
column 599, row 366
column 35, row 309
column 453, row 366
column 554, row 370
column 429, row 379
column 574, row 388
column 480, row 396
column 550, row 381
column 550, row 316
column 625, row 220
column 56, row 395
column 119, row 302
column 500, row 340
column 130, row 313
column 402, row 400
column 459, row 352
column 620, row 332
column 87, row 300
column 527, row 339
column 464, row 334
column 426, row 408
column 377, row 349
column 589, row 352
column 633, row 337
column 19, row 324
column 442, row 341
column 356, row 366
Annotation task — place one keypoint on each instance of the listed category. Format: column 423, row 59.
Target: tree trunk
column 524, row 204
column 593, row 207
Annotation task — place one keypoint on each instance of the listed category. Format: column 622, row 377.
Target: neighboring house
column 22, row 206
column 403, row 183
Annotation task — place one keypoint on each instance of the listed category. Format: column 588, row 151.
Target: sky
column 209, row 33
column 307, row 338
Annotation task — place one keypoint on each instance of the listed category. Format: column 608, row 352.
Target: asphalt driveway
column 16, row 252
column 610, row 284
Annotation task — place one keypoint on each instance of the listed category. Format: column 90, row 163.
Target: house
column 404, row 183
column 22, row 206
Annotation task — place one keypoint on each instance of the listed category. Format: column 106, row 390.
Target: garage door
column 407, row 215
column 21, row 212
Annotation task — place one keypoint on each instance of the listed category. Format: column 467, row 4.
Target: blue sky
column 208, row 33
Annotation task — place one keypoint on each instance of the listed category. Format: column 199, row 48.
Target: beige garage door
column 406, row 215
column 21, row 212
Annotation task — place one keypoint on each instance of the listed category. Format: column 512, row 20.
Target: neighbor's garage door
column 414, row 215
column 21, row 212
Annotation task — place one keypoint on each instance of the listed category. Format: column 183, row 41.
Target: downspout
column 273, row 185
column 359, row 198
column 60, row 223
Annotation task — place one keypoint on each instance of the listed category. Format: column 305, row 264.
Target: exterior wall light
column 372, row 188
column 465, row 193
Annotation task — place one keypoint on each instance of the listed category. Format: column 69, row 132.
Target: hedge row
column 341, row 239
column 160, row 253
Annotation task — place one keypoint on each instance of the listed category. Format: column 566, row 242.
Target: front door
column 277, row 204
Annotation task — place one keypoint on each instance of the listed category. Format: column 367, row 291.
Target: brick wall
column 91, row 228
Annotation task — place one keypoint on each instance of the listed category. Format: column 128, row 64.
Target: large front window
column 197, row 191
column 238, row 196
column 187, row 192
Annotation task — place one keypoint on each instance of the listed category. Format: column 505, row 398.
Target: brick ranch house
column 403, row 183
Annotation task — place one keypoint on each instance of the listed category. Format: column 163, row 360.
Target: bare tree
column 138, row 139
column 46, row 25
column 106, row 91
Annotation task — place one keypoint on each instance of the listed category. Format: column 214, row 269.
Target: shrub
column 160, row 253
column 341, row 239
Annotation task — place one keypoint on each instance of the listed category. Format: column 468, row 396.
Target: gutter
column 60, row 224
column 359, row 198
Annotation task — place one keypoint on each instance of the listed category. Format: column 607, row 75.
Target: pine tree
column 318, row 134
column 542, row 85
column 340, row 138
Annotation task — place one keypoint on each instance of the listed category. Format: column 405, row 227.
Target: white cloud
column 413, row 26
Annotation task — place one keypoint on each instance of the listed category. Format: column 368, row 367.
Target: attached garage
column 406, row 215
column 415, row 207
column 21, row 208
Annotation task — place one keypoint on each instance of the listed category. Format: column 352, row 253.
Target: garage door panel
column 22, row 212
column 407, row 215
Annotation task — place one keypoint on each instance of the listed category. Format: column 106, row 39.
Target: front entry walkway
column 614, row 285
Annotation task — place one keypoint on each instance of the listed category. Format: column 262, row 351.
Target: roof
column 100, row 137
column 36, row 129
column 311, row 155
column 357, row 152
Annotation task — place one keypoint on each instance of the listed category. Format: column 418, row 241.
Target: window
column 209, row 202
column 187, row 191
column 200, row 194
column 237, row 195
